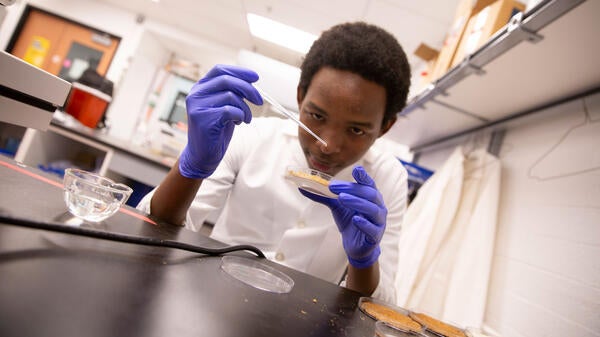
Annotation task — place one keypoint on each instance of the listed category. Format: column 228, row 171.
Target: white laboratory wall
column 2, row 14
column 192, row 47
column 546, row 270
column 129, row 102
column 278, row 79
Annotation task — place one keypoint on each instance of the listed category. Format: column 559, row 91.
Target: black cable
column 128, row 238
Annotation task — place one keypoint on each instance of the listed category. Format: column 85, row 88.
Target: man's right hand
column 214, row 106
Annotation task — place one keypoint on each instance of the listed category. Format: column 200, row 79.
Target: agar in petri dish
column 257, row 274
column 310, row 180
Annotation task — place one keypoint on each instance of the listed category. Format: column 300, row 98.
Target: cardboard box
column 426, row 52
column 486, row 19
column 430, row 56
column 452, row 39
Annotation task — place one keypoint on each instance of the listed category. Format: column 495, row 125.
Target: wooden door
column 62, row 47
column 39, row 28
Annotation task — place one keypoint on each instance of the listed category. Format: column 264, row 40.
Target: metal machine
column 28, row 95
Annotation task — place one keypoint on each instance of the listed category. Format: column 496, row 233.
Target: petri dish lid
column 437, row 327
column 257, row 274
column 395, row 317
column 383, row 329
column 310, row 180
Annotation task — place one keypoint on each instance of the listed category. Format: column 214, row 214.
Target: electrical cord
column 128, row 238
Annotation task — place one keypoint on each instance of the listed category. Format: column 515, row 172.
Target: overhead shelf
column 545, row 56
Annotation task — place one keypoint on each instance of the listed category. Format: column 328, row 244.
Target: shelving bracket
column 470, row 68
column 496, row 140
column 515, row 26
column 437, row 90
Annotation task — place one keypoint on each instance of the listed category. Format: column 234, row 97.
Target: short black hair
column 366, row 50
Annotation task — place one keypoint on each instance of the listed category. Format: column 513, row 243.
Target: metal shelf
column 545, row 56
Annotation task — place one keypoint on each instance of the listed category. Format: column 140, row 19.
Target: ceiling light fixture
column 279, row 33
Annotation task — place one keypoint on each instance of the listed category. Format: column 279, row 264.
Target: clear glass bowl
column 93, row 197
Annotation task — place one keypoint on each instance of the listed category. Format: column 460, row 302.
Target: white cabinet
column 55, row 144
column 135, row 166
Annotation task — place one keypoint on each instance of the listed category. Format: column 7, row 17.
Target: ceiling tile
column 441, row 11
column 409, row 27
column 224, row 22
column 301, row 15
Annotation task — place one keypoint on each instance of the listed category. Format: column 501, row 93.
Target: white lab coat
column 446, row 249
column 426, row 223
column 261, row 208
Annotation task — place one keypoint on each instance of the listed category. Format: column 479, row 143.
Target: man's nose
column 334, row 142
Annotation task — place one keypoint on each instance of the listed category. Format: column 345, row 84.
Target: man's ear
column 387, row 126
column 299, row 96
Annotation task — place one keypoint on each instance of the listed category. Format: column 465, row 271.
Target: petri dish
column 396, row 317
column 257, row 274
column 475, row 332
column 310, row 180
column 437, row 327
column 383, row 329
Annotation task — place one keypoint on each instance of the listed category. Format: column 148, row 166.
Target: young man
column 354, row 80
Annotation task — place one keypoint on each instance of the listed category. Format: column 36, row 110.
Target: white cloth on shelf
column 447, row 245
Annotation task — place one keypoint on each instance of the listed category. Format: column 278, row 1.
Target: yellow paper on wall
column 37, row 50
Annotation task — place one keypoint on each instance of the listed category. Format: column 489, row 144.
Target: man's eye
column 316, row 116
column 357, row 131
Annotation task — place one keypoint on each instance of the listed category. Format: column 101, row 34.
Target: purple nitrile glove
column 360, row 215
column 214, row 106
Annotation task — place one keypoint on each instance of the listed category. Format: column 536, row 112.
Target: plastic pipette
column 287, row 113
